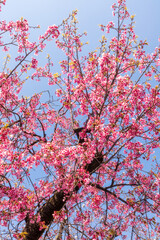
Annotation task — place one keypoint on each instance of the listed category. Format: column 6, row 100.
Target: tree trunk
column 55, row 203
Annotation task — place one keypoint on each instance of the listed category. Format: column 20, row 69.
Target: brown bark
column 55, row 203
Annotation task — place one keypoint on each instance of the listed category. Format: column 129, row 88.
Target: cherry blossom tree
column 91, row 137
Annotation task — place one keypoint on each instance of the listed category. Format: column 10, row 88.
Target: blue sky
column 91, row 13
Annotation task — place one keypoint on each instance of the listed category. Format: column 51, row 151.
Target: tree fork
column 55, row 203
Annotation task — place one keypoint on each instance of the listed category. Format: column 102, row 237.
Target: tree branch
column 56, row 203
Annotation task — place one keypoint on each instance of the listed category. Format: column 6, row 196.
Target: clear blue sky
column 91, row 13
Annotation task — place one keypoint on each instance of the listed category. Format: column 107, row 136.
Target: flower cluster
column 81, row 158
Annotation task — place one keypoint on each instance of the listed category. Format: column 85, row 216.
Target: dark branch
column 56, row 202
